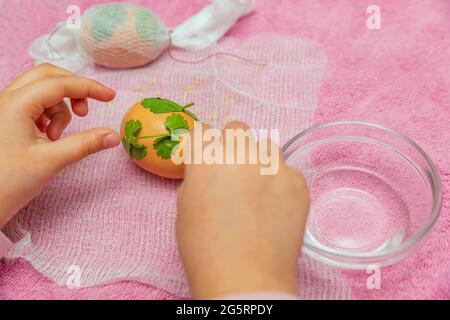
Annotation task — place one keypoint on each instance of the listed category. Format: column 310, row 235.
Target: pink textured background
column 398, row 76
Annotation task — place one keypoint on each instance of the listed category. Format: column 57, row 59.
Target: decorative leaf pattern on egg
column 152, row 132
column 148, row 26
column 132, row 147
column 164, row 147
column 106, row 20
column 158, row 105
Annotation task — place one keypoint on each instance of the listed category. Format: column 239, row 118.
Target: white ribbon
column 210, row 24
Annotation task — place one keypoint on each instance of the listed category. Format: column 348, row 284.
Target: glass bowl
column 375, row 194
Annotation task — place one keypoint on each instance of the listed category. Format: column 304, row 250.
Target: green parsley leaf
column 164, row 147
column 177, row 126
column 158, row 105
column 132, row 128
column 138, row 152
column 126, row 145
column 132, row 147
column 175, row 122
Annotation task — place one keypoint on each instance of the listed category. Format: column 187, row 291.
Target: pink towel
column 396, row 76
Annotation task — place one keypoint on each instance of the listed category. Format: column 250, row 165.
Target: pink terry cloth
column 397, row 76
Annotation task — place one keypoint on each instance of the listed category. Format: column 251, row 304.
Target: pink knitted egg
column 122, row 35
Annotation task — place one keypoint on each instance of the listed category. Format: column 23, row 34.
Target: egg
column 147, row 136
column 122, row 35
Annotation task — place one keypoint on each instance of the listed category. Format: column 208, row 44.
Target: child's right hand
column 239, row 231
column 33, row 116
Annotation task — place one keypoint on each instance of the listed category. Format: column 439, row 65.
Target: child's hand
column 239, row 231
column 33, row 115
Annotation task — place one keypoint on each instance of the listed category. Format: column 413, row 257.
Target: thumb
column 71, row 149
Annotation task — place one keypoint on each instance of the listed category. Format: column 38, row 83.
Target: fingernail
column 59, row 132
column 113, row 93
column 111, row 140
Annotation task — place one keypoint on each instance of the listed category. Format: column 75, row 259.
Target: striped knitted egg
column 122, row 35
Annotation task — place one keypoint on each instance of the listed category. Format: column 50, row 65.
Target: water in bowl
column 365, row 196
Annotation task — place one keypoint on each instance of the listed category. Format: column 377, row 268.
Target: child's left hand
column 33, row 116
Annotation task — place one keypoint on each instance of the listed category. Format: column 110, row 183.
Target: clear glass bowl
column 375, row 193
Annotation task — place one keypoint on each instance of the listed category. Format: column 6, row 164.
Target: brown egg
column 154, row 124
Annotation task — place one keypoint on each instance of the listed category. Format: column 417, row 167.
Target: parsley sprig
column 130, row 142
column 164, row 144
column 159, row 105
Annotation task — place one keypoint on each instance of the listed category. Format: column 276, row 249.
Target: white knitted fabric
column 110, row 220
